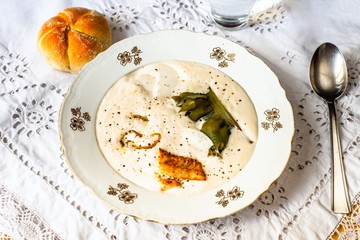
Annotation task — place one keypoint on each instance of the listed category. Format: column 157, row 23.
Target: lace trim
column 4, row 236
column 21, row 221
column 5, row 141
column 348, row 227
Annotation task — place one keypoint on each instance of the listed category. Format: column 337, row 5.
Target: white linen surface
column 39, row 198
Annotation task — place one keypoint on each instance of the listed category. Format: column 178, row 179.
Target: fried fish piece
column 180, row 167
column 168, row 183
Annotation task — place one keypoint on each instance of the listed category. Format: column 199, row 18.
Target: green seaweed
column 218, row 120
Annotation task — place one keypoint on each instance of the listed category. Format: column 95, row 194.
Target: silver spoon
column 328, row 79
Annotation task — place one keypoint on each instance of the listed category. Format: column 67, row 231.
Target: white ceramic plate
column 84, row 158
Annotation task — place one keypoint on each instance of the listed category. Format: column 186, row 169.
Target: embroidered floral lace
column 39, row 197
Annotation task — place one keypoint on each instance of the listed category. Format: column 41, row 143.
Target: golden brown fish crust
column 180, row 167
column 168, row 183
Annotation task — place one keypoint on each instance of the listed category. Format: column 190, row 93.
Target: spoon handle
column 340, row 195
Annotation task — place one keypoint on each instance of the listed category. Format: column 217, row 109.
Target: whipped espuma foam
column 141, row 102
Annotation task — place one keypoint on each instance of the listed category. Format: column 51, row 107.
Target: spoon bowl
column 329, row 79
column 328, row 72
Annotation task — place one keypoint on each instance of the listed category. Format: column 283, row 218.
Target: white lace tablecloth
column 39, row 198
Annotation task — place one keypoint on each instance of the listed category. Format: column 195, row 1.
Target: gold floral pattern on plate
column 272, row 117
column 78, row 121
column 127, row 57
column 220, row 55
column 232, row 195
column 124, row 195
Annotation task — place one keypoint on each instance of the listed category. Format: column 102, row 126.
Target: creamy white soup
column 142, row 103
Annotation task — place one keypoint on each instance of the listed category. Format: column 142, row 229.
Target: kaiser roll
column 74, row 37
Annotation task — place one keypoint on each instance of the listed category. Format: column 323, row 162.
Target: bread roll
column 74, row 37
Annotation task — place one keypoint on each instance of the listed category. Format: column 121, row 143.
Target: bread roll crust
column 74, row 37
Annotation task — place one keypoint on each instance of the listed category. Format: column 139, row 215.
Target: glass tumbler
column 231, row 13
